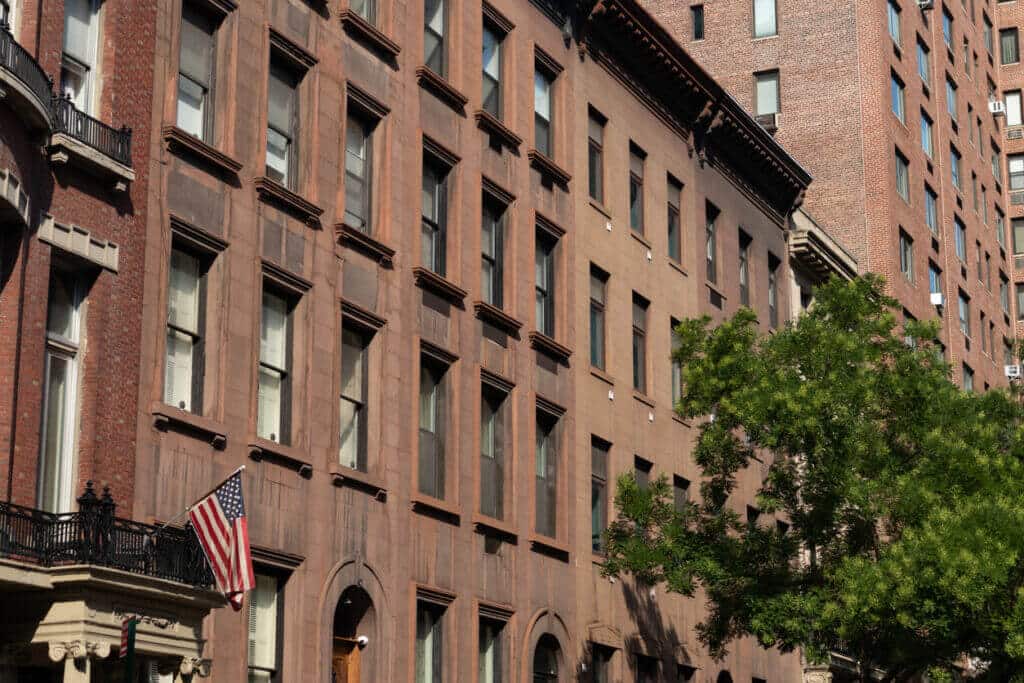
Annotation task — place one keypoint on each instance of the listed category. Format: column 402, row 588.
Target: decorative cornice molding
column 369, row 35
column 365, row 102
column 441, row 88
column 300, row 57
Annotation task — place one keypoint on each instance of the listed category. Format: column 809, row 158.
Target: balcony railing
column 115, row 143
column 15, row 59
column 94, row 536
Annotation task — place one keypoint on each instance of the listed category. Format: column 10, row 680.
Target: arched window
column 545, row 659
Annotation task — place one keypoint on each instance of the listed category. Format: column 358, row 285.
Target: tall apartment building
column 414, row 266
column 887, row 105
column 1011, row 81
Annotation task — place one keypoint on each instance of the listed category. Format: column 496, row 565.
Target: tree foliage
column 903, row 494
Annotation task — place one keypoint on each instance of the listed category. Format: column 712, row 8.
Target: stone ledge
column 178, row 139
column 369, row 35
column 77, row 240
column 167, row 417
column 64, row 149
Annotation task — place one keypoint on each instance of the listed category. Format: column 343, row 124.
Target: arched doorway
column 355, row 625
column 545, row 659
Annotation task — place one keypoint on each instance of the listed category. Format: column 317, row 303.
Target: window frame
column 546, row 265
column 492, row 261
column 440, row 65
column 496, row 82
column 711, row 216
column 596, row 123
column 204, row 261
column 283, row 69
column 673, row 206
column 360, row 403
column 285, row 374
column 598, row 313
column 357, row 117
column 213, row 20
column 774, row 30
column 437, row 365
column 547, row 434
column 434, row 228
column 640, row 315
column 544, row 122
column 637, row 164
column 495, row 398
column 1002, row 45
column 767, row 76
column 600, row 453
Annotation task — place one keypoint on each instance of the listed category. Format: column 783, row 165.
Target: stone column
column 75, row 658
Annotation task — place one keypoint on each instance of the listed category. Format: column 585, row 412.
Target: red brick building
column 887, row 104
column 1011, row 82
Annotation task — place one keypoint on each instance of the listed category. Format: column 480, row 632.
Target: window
column 764, row 18
column 367, row 9
column 1015, row 164
column 490, row 652
column 675, row 198
column 433, row 36
column 595, row 155
column 636, row 188
column 429, row 642
column 1020, row 301
column 981, row 333
column 282, row 124
column 492, row 451
column 934, row 279
column 542, row 112
column 78, row 60
column 545, row 660
column 773, row 290
column 766, row 92
column 186, row 308
column 492, row 71
column 960, row 236
column 894, row 22
column 697, row 19
column 1018, row 235
column 988, row 34
column 60, row 393
column 640, row 306
column 275, row 378
column 967, row 57
column 906, row 256
column 968, row 378
column 680, row 493
column 492, row 252
column 433, row 425
column 354, row 354
column 1004, row 294
column 974, row 191
column 710, row 248
column 5, row 14
column 977, row 246
column 902, row 176
column 598, row 285
column 964, row 313
column 1009, row 51
column 1000, row 228
column 600, row 663
column 646, row 669
column 1013, row 107
column 358, row 172
column 195, row 73
column 896, row 98
column 598, row 492
column 951, row 98
column 947, row 28
column 435, row 215
column 546, row 471
column 923, row 64
column 926, row 134
column 1007, row 352
column 997, row 169
column 930, row 210
column 954, row 167
column 677, row 368
column 264, row 625
column 544, row 267
column 744, row 268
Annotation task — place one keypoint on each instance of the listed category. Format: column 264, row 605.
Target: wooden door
column 345, row 661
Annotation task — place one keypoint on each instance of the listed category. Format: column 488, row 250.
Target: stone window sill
column 361, row 481
column 440, row 88
column 280, row 454
column 274, row 192
column 365, row 243
column 64, row 149
column 179, row 141
column 549, row 347
column 369, row 35
column 499, row 132
column 488, row 526
column 439, row 285
column 551, row 173
column 167, row 417
column 549, row 546
column 436, row 508
column 495, row 316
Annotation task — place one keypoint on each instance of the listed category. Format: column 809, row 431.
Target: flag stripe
column 223, row 532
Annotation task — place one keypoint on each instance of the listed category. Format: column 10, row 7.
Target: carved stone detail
column 195, row 665
column 817, row 673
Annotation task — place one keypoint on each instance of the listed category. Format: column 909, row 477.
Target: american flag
column 219, row 521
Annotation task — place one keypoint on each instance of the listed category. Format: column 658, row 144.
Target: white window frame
column 263, row 609
column 765, row 26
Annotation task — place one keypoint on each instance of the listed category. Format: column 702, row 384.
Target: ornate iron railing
column 18, row 61
column 93, row 535
column 115, row 143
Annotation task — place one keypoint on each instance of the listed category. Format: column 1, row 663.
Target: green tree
column 904, row 495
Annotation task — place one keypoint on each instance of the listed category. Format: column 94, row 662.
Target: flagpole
column 188, row 508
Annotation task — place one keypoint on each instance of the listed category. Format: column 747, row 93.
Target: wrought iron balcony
column 95, row 536
column 19, row 71
column 113, row 142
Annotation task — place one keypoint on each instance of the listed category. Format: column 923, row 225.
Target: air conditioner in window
column 938, row 299
column 1012, row 371
column 925, row 4
column 997, row 107
column 770, row 122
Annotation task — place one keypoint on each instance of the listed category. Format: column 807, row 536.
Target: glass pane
column 274, row 330
column 183, row 292
column 596, row 337
column 178, row 373
column 277, row 156
column 491, row 96
column 281, row 99
column 434, row 15
column 767, row 91
column 429, row 193
column 349, row 454
column 352, row 357
column 268, row 416
column 191, row 101
column 196, row 46
column 55, row 467
column 491, row 54
column 79, row 27
column 764, row 18
column 428, row 400
column 433, row 52
column 73, row 83
column 62, row 308
column 542, row 95
column 486, row 428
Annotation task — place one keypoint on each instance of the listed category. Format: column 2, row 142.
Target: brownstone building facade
column 416, row 268
column 888, row 106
